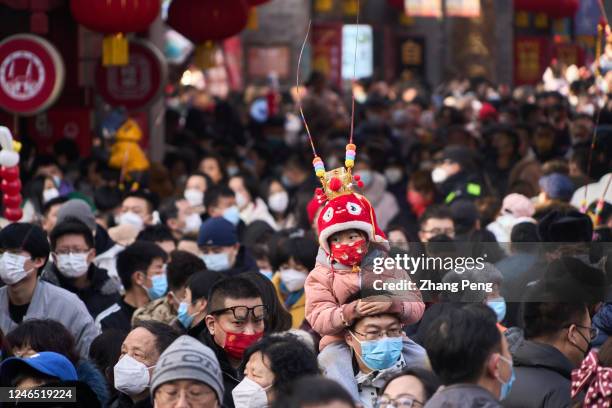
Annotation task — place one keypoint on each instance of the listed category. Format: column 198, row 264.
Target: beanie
column 188, row 359
column 79, row 209
column 518, row 205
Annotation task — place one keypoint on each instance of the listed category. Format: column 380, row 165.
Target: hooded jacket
column 543, row 377
column 327, row 290
column 603, row 322
column 462, row 396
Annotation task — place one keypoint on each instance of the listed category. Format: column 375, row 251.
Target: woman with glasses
column 411, row 388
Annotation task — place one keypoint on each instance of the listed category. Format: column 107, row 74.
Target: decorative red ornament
column 114, row 18
column 552, row 8
column 357, row 177
column 397, row 4
column 10, row 187
column 13, row 214
column 335, row 184
column 208, row 20
column 12, row 201
column 9, row 173
column 360, row 184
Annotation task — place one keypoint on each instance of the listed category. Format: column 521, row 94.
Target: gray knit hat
column 79, row 209
column 188, row 359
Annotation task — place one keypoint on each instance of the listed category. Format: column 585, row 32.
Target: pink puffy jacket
column 327, row 291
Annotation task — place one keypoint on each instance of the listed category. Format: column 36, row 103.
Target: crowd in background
column 210, row 280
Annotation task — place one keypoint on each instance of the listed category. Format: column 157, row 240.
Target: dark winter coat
column 463, row 396
column 603, row 321
column 101, row 294
column 543, row 377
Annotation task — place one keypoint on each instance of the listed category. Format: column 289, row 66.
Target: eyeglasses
column 258, row 312
column 401, row 401
column 380, row 334
column 440, row 231
column 67, row 251
column 196, row 395
column 593, row 331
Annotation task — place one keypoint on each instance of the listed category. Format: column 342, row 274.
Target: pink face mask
column 418, row 202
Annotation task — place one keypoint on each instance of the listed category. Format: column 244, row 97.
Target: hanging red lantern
column 114, row 18
column 206, row 21
column 552, row 8
column 397, row 4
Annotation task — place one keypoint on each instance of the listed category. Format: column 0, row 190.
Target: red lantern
column 206, row 21
column 114, row 18
column 397, row 4
column 552, row 8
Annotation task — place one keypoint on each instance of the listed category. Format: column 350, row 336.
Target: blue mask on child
column 183, row 315
column 232, row 214
column 380, row 354
column 498, row 305
column 507, row 386
column 159, row 287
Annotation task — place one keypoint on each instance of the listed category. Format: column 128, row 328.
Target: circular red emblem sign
column 137, row 84
column 31, row 74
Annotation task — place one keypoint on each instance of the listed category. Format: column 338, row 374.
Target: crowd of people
column 229, row 276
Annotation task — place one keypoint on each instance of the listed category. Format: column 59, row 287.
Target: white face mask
column 12, row 268
column 249, row 394
column 216, row 262
column 50, row 194
column 439, row 175
column 292, row 279
column 393, row 175
column 241, row 201
column 192, row 223
column 132, row 219
column 278, row 202
column 73, row 265
column 194, row 197
column 131, row 376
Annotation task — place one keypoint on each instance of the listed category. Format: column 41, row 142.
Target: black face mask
column 584, row 352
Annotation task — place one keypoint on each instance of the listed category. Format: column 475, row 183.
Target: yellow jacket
column 297, row 310
column 126, row 153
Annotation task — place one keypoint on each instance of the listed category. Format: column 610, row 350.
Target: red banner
column 62, row 123
column 530, row 59
column 327, row 51
column 569, row 54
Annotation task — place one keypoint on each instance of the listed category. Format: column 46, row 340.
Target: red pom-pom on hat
column 335, row 184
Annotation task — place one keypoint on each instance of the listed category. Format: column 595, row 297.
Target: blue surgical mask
column 380, row 354
column 183, row 315
column 216, row 262
column 498, row 305
column 267, row 273
column 506, row 386
column 232, row 214
column 159, row 287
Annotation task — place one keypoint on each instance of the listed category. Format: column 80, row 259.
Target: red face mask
column 237, row 343
column 418, row 202
column 349, row 254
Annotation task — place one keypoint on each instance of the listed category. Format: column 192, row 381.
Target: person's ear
column 38, row 262
column 91, row 255
column 139, row 278
column 348, row 338
column 210, row 324
column 492, row 367
column 200, row 305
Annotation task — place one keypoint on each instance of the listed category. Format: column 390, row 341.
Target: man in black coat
column 73, row 252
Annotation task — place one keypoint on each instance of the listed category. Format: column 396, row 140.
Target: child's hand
column 369, row 308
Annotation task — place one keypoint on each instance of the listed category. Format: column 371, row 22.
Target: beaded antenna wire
column 338, row 181
column 600, row 202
